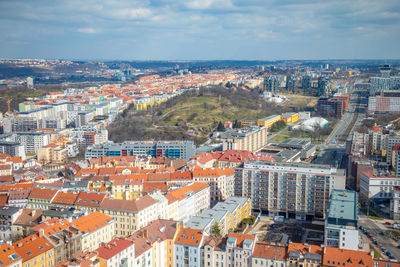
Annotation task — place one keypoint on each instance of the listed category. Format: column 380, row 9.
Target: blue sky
column 200, row 29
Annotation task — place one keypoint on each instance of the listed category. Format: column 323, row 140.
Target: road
column 374, row 228
column 344, row 122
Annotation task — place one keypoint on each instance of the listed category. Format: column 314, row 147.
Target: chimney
column 145, row 233
column 41, row 232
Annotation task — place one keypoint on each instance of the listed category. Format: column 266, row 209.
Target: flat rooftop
column 343, row 206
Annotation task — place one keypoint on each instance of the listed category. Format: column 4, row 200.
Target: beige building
column 52, row 153
column 96, row 228
column 130, row 215
column 221, row 182
column 252, row 138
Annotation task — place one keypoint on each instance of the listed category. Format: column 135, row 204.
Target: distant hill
column 193, row 115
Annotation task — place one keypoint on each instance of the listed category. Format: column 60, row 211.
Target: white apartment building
column 294, row 190
column 187, row 248
column 32, row 141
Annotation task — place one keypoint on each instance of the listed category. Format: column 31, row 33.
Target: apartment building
column 380, row 189
column 221, row 182
column 228, row 214
column 65, row 239
column 290, row 117
column 12, row 148
column 337, row 257
column 95, row 228
column 36, row 251
column 161, row 235
column 127, row 189
column 295, row 190
column 303, row 255
column 32, row 141
column 192, row 199
column 341, row 223
column 252, row 138
column 9, row 257
column 213, row 252
column 130, row 215
column 8, row 216
column 156, row 149
column 266, row 254
column 41, row 198
column 5, row 169
column 117, row 252
column 187, row 248
column 239, row 248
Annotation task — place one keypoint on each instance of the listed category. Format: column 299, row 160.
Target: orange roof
column 8, row 255
column 240, row 238
column 65, row 198
column 52, row 226
column 89, row 199
column 351, row 258
column 42, row 193
column 182, row 192
column 303, row 249
column 376, row 128
column 267, row 251
column 385, row 263
column 150, row 187
column 91, row 222
column 190, row 237
column 32, row 246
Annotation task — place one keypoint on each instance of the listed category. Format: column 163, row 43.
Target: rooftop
column 343, row 208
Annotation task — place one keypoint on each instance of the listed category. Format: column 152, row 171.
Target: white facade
column 186, row 255
column 373, row 187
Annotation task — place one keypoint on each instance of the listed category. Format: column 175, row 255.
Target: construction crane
column 8, row 104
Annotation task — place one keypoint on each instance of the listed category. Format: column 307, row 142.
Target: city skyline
column 200, row 30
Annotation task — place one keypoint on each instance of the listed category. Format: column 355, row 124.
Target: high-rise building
column 324, row 87
column 29, row 82
column 271, row 83
column 341, row 223
column 290, row 83
column 295, row 190
column 306, row 82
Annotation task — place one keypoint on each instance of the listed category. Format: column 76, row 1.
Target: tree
column 216, row 230
column 220, row 127
column 236, row 124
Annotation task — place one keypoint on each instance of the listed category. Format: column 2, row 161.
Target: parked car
column 392, row 257
column 396, row 226
column 388, row 223
column 389, row 253
column 370, row 236
column 382, row 233
column 382, row 248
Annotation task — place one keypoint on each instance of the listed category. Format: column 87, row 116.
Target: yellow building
column 290, row 117
column 248, row 122
column 127, row 189
column 268, row 121
column 36, row 251
column 252, row 138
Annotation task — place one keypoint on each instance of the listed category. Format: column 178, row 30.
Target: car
column 389, row 253
column 370, row 236
column 382, row 233
column 382, row 247
column 392, row 257
column 388, row 223
column 398, row 246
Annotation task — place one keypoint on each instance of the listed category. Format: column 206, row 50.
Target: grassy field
column 300, row 101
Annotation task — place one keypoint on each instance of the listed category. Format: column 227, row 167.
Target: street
column 374, row 228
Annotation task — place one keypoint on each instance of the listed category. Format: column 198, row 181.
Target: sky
column 200, row 29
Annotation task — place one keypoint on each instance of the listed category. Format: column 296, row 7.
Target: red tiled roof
column 267, row 251
column 131, row 205
column 8, row 255
column 67, row 198
column 90, row 199
column 113, row 248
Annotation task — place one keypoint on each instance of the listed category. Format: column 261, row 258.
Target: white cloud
column 87, row 30
column 207, row 4
column 130, row 13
